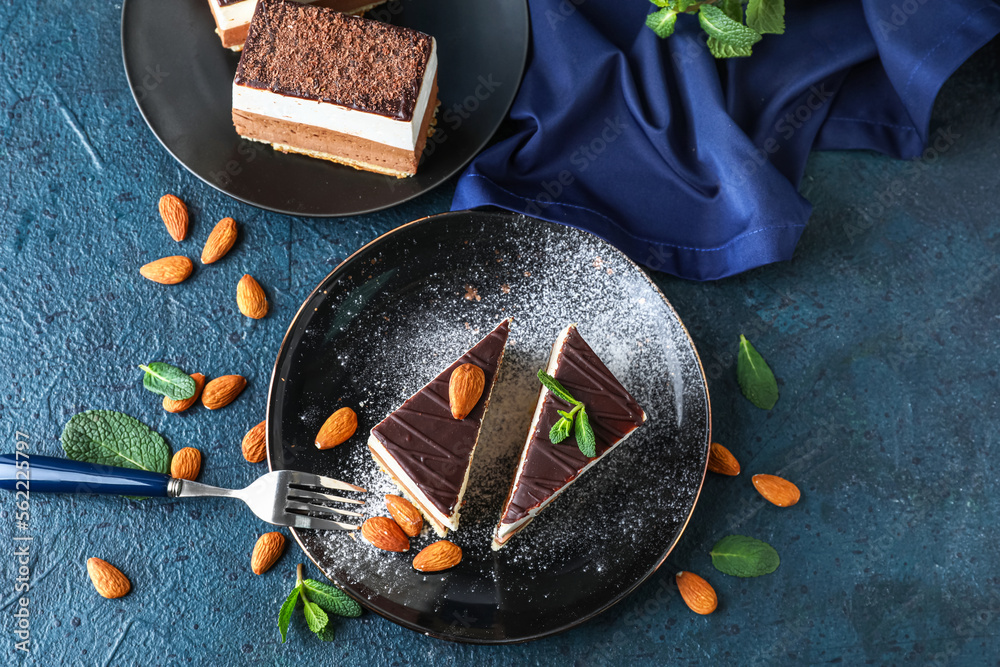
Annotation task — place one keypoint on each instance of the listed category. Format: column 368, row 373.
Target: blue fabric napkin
column 692, row 167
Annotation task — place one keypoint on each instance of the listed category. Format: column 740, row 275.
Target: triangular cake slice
column 425, row 450
column 545, row 469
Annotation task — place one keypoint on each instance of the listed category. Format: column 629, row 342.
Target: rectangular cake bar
column 337, row 87
column 232, row 17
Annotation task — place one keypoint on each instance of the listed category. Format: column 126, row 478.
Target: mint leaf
column 723, row 50
column 316, row 618
column 327, row 634
column 662, row 22
column 553, row 385
column 168, row 380
column 332, row 599
column 755, row 376
column 560, row 430
column 285, row 615
column 115, row 439
column 585, row 439
column 742, row 556
column 729, row 36
column 766, row 16
column 733, row 9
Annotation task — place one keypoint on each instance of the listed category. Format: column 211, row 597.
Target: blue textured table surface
column 882, row 332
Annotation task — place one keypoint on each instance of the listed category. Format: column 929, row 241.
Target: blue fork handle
column 46, row 474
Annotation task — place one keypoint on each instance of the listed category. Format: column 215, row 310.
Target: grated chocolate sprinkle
column 316, row 53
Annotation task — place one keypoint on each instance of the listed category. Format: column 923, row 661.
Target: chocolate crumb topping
column 316, row 53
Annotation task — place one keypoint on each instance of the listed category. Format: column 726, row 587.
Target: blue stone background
column 882, row 331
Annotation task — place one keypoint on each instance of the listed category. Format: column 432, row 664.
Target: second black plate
column 181, row 78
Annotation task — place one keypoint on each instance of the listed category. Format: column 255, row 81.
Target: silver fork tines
column 276, row 498
column 303, row 493
column 317, row 509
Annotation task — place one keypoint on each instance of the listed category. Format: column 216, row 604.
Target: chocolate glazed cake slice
column 427, row 451
column 546, row 469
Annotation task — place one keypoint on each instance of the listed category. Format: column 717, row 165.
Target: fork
column 282, row 497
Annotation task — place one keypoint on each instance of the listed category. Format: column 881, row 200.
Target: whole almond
column 722, row 461
column 441, row 555
column 465, row 388
column 168, row 270
column 186, row 464
column 777, row 490
column 338, row 428
column 107, row 579
column 222, row 391
column 250, row 298
column 698, row 594
column 220, row 241
column 171, row 405
column 266, row 552
column 405, row 514
column 255, row 443
column 384, row 533
column 175, row 216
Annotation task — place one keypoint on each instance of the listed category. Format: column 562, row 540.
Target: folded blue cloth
column 690, row 166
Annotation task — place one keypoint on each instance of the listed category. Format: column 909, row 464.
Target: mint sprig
column 731, row 32
column 561, row 430
column 170, row 381
column 319, row 602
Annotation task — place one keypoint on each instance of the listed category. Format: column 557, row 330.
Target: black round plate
column 182, row 79
column 406, row 305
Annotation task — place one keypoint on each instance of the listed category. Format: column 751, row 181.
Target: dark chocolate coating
column 316, row 53
column 612, row 411
column 433, row 447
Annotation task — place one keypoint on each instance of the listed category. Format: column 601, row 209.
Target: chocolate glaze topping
column 433, row 447
column 319, row 54
column 613, row 414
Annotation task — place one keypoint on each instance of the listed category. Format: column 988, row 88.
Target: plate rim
column 626, row 592
column 525, row 31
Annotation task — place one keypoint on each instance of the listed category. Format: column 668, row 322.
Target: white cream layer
column 421, row 499
column 505, row 530
column 370, row 126
column 231, row 16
